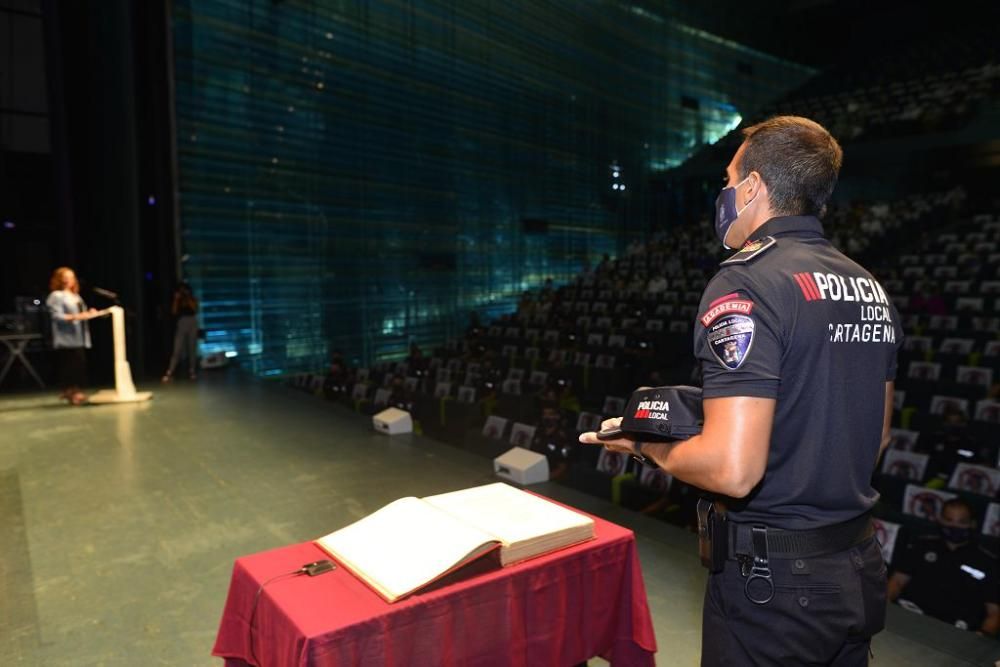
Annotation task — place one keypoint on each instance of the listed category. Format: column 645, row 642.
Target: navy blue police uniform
column 791, row 318
column 952, row 584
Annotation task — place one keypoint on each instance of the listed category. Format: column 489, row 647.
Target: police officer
column 798, row 346
column 947, row 576
column 554, row 441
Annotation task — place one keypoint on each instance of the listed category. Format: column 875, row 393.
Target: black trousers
column 71, row 366
column 824, row 612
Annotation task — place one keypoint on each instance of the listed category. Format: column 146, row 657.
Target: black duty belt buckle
column 759, row 568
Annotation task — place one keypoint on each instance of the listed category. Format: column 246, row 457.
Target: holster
column 713, row 536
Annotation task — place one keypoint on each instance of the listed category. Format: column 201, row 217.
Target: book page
column 404, row 545
column 512, row 515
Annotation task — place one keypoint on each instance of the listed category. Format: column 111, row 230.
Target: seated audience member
column 488, row 370
column 568, row 400
column 929, row 301
column 947, row 576
column 337, row 376
column 554, row 441
column 548, row 394
column 945, row 442
column 417, row 362
column 487, row 393
column 400, row 397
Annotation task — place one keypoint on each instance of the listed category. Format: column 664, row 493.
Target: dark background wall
column 27, row 207
column 363, row 175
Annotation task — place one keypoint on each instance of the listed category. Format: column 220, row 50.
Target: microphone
column 108, row 294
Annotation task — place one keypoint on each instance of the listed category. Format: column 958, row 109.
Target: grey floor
column 119, row 524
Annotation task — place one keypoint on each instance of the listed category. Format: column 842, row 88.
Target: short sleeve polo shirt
column 791, row 318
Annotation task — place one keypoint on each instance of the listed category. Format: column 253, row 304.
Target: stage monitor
column 521, row 466
column 393, row 421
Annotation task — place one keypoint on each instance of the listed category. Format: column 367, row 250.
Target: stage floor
column 119, row 523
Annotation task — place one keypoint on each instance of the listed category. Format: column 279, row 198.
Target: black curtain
column 108, row 69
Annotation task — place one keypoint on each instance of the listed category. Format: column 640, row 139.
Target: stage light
column 231, row 353
column 622, row 187
column 9, row 224
column 151, row 200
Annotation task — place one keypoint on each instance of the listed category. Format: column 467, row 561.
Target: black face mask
column 956, row 535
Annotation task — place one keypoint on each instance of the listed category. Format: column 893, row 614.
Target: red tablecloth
column 558, row 609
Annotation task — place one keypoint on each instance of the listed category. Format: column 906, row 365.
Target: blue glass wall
column 359, row 175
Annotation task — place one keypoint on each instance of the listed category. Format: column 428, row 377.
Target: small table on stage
column 559, row 609
column 16, row 346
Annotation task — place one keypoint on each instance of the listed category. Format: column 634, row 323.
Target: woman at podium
column 70, row 333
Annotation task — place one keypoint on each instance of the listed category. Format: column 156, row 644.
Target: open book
column 413, row 542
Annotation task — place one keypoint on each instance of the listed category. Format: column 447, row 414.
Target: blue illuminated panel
column 359, row 175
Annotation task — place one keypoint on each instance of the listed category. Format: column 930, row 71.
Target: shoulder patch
column 730, row 339
column 751, row 251
column 720, row 307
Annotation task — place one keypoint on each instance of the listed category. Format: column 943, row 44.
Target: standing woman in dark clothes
column 185, row 309
column 70, row 333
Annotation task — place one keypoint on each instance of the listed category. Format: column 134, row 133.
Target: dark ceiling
column 822, row 33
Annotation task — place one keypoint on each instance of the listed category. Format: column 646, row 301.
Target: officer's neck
column 755, row 219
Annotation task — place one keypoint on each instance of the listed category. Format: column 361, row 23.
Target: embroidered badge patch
column 719, row 309
column 730, row 339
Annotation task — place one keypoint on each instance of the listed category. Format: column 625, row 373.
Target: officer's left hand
column 623, row 445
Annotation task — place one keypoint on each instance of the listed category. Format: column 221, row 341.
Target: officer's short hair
column 798, row 160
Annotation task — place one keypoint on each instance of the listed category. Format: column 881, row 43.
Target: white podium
column 124, row 391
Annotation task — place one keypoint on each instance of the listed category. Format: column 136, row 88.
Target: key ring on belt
column 760, row 568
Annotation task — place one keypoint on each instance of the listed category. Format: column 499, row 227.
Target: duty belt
column 800, row 543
